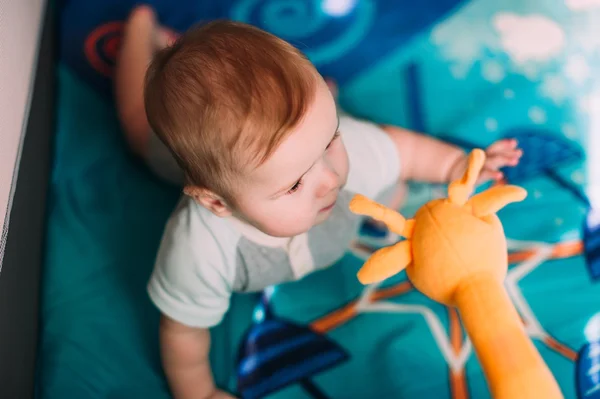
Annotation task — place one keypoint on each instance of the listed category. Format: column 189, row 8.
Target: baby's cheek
column 294, row 215
column 308, row 214
column 343, row 164
column 305, row 212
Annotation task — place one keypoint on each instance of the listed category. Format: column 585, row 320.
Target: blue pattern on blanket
column 471, row 72
column 328, row 31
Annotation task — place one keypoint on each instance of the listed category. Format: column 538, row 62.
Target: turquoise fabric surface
column 484, row 71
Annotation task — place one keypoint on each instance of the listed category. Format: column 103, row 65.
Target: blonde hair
column 223, row 98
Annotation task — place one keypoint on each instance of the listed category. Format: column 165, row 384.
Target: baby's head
column 251, row 123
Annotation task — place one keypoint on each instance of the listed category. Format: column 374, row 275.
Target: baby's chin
column 321, row 217
column 286, row 232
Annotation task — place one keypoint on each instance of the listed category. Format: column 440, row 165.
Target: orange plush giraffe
column 455, row 253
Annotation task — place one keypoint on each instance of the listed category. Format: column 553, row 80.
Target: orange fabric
column 456, row 254
column 458, row 379
column 347, row 312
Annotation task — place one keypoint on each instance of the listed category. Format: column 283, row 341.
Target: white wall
column 20, row 28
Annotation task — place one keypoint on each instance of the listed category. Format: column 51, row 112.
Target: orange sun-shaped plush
column 455, row 253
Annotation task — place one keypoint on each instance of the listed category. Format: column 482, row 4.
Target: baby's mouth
column 329, row 207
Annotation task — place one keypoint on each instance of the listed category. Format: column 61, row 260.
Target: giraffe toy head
column 449, row 240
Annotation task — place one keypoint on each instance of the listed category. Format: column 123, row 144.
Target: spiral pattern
column 324, row 38
column 293, row 18
column 101, row 47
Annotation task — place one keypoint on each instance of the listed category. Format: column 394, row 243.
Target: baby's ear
column 208, row 199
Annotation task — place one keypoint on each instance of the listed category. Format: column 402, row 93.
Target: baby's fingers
column 489, row 174
column 497, row 162
column 500, row 146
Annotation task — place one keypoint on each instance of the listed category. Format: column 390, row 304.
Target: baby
column 268, row 167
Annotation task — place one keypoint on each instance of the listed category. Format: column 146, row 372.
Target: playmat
column 469, row 71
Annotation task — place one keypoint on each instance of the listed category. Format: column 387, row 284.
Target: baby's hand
column 500, row 154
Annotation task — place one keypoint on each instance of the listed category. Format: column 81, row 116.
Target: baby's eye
column 295, row 187
column 335, row 136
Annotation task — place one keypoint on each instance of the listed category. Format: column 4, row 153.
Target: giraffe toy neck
column 507, row 355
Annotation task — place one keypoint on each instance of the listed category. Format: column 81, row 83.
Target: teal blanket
column 483, row 71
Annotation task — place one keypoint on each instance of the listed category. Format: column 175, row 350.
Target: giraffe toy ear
column 362, row 205
column 386, row 262
column 493, row 199
column 460, row 190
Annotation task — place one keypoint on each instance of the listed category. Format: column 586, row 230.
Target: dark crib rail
column 24, row 250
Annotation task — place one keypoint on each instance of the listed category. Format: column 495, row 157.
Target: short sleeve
column 191, row 282
column 373, row 157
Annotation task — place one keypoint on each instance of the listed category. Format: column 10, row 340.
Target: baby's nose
column 329, row 182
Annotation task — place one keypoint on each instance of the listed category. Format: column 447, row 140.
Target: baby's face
column 297, row 187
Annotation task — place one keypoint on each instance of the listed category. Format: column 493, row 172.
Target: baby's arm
column 185, row 360
column 427, row 159
column 423, row 158
column 190, row 285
